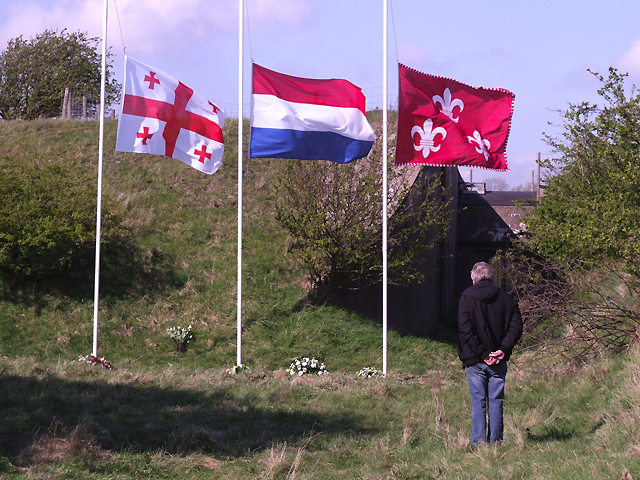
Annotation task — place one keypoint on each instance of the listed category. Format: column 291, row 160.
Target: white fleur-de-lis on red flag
column 448, row 104
column 483, row 145
column 427, row 137
column 477, row 121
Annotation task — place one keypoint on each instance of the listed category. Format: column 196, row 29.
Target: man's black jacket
column 488, row 320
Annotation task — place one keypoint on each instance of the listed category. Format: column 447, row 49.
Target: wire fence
column 228, row 100
column 84, row 105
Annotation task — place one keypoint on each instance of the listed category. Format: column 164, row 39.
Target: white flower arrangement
column 307, row 366
column 236, row 369
column 368, row 372
column 179, row 333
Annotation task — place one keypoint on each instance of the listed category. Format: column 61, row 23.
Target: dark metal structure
column 483, row 223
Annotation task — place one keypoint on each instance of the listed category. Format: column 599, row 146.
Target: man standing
column 490, row 325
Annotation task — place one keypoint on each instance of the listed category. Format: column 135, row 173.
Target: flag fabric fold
column 307, row 119
column 443, row 122
column 162, row 116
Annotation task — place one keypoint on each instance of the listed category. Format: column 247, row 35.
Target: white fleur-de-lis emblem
column 427, row 137
column 483, row 145
column 448, row 105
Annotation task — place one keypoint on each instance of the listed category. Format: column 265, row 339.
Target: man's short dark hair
column 481, row 271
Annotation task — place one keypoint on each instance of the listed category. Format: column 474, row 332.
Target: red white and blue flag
column 162, row 116
column 307, row 119
column 442, row 122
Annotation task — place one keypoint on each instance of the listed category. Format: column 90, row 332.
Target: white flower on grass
column 368, row 372
column 307, row 365
column 235, row 370
column 179, row 333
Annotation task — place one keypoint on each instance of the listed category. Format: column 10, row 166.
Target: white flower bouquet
column 179, row 333
column 307, row 366
column 237, row 369
column 368, row 372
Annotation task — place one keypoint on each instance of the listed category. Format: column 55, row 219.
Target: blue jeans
column 486, row 383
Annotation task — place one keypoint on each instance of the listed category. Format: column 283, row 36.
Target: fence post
column 65, row 102
column 84, row 107
column 69, row 102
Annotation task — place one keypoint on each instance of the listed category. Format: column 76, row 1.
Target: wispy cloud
column 279, row 12
column 630, row 61
column 414, row 56
column 147, row 26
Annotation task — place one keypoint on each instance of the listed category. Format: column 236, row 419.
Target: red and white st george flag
column 442, row 122
column 162, row 116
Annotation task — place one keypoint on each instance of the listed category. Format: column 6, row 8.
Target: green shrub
column 48, row 217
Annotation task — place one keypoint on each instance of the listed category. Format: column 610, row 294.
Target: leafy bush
column 333, row 213
column 48, row 217
column 591, row 205
column 577, row 275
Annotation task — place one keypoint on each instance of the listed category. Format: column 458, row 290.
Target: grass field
column 161, row 414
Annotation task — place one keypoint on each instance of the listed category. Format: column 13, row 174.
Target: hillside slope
column 161, row 414
column 180, row 267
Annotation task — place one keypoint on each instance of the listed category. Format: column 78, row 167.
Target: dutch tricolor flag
column 307, row 119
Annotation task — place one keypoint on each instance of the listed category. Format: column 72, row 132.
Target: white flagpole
column 100, row 161
column 384, row 184
column 240, row 127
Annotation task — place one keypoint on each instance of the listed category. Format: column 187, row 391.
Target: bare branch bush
column 575, row 311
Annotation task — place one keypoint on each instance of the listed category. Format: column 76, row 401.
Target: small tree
column 496, row 184
column 591, row 206
column 34, row 73
column 333, row 213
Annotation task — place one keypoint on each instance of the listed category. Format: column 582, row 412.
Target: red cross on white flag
column 162, row 116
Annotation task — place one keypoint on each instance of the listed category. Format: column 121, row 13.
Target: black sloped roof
column 494, row 199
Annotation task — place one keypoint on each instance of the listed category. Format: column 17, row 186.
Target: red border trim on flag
column 465, row 85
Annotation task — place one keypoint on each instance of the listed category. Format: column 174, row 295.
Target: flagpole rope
column 248, row 23
column 124, row 49
column 393, row 25
column 246, row 10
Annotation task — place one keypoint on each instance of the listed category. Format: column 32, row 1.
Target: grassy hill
column 161, row 414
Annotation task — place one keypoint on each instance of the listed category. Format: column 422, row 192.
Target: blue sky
column 539, row 50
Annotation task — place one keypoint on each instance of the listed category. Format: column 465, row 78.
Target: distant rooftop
column 496, row 199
